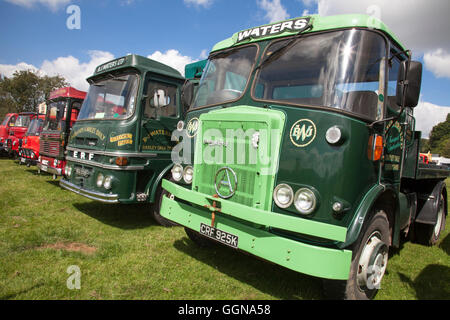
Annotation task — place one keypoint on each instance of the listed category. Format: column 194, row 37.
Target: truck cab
column 5, row 128
column 120, row 147
column 16, row 133
column 29, row 152
column 308, row 154
column 62, row 111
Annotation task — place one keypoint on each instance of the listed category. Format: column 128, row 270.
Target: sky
column 72, row 37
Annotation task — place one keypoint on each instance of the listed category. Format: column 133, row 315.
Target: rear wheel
column 369, row 262
column 430, row 234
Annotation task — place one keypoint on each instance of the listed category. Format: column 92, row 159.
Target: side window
column 12, row 121
column 161, row 100
column 392, row 81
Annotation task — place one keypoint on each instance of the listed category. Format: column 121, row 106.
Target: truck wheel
column 160, row 193
column 199, row 239
column 429, row 234
column 369, row 262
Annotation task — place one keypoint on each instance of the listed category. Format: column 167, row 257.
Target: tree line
column 25, row 90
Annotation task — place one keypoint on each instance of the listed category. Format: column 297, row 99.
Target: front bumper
column 102, row 197
column 252, row 228
column 49, row 169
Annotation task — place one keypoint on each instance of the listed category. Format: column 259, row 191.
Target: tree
column 25, row 90
column 439, row 135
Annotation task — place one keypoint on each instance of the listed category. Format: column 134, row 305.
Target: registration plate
column 44, row 168
column 219, row 235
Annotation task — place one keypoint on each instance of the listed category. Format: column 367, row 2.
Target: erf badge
column 192, row 127
column 303, row 132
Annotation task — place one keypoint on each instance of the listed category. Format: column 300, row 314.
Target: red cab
column 29, row 153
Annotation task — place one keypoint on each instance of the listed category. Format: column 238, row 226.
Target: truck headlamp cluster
column 188, row 174
column 177, row 172
column 304, row 200
column 100, row 179
column 107, row 184
column 283, row 195
column 68, row 170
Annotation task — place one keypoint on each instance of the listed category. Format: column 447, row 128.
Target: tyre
column 160, row 193
column 429, row 234
column 369, row 262
column 199, row 239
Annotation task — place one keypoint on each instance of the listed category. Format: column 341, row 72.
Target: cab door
column 161, row 113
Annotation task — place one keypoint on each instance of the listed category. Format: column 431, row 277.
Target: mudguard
column 428, row 213
column 152, row 186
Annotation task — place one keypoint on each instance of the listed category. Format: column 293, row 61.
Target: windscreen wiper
column 278, row 52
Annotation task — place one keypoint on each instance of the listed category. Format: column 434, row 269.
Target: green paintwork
column 300, row 158
column 301, row 257
column 146, row 142
column 320, row 24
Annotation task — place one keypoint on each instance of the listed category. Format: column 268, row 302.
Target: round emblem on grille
column 192, row 127
column 303, row 132
column 225, row 182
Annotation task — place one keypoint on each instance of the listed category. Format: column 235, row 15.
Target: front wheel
column 369, row 262
column 157, row 207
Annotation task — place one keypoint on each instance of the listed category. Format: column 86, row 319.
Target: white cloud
column 428, row 115
column 74, row 71
column 438, row 62
column 172, row 58
column 274, row 10
column 54, row 5
column 7, row 70
column 199, row 3
column 421, row 25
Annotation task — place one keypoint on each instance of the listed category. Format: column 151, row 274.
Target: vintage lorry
column 29, row 151
column 308, row 155
column 119, row 149
column 5, row 128
column 63, row 107
column 14, row 141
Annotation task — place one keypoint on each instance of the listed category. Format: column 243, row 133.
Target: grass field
column 123, row 254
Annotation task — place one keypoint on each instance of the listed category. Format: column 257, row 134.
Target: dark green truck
column 119, row 149
column 306, row 153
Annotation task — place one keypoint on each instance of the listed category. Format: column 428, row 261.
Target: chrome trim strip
column 106, row 166
column 102, row 197
column 115, row 154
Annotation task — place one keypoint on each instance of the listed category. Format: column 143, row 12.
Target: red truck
column 5, row 128
column 29, row 153
column 14, row 140
column 63, row 107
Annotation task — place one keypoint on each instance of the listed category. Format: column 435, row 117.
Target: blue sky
column 35, row 34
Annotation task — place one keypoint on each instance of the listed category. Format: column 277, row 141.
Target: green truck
column 120, row 147
column 305, row 152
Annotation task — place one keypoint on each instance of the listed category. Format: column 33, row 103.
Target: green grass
column 134, row 258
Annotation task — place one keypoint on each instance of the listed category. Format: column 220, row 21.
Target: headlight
column 188, row 174
column 68, row 171
column 283, row 195
column 305, row 201
column 333, row 135
column 177, row 172
column 108, row 182
column 100, row 179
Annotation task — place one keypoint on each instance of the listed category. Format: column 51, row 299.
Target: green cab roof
column 140, row 63
column 317, row 23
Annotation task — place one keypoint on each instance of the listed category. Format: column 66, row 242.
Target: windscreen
column 112, row 98
column 22, row 121
column 225, row 77
column 54, row 119
column 339, row 69
column 35, row 127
